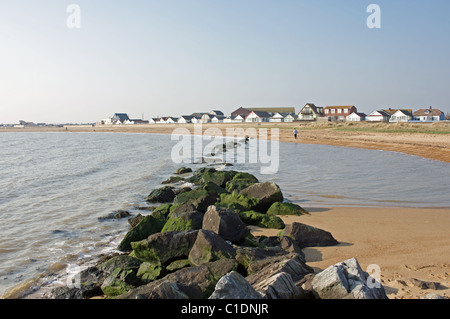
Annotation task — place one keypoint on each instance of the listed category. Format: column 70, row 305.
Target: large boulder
column 161, row 195
column 280, row 208
column 346, row 280
column 226, row 223
column 200, row 199
column 183, row 221
column 209, row 247
column 163, row 247
column 278, row 286
column 267, row 193
column 240, row 181
column 262, row 220
column 149, row 225
column 292, row 266
column 234, row 286
column 122, row 275
column 308, row 236
column 237, row 202
column 194, row 282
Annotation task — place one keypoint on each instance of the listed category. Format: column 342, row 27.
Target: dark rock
column 308, row 236
column 199, row 198
column 267, row 193
column 173, row 180
column 284, row 242
column 183, row 170
column 165, row 247
column 123, row 262
column 234, row 286
column 161, row 195
column 237, row 202
column 226, row 223
column 133, row 221
column 422, row 284
column 147, row 226
column 262, row 220
column 246, row 256
column 195, row 282
column 209, row 247
column 85, row 285
column 279, row 208
column 183, row 221
column 115, row 215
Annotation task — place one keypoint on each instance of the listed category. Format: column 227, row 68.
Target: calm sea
column 56, row 186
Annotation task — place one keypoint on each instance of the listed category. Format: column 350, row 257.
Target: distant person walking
column 295, row 133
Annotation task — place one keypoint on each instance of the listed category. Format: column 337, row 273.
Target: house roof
column 187, row 117
column 392, row 111
column 404, row 111
column 340, row 107
column 260, row 114
column 428, row 112
column 241, row 111
column 121, row 116
column 313, row 107
column 273, row 109
column 216, row 112
column 380, row 112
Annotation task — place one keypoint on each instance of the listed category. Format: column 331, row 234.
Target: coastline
column 425, row 140
column 406, row 243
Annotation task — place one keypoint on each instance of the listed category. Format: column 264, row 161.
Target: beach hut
column 258, row 116
column 378, row 116
column 403, row 115
column 185, row 119
column 277, row 117
column 355, row 117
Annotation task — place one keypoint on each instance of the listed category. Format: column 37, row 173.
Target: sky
column 174, row 57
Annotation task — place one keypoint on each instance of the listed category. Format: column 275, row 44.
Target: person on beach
column 295, row 133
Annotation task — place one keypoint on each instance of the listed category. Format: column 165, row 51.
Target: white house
column 290, row 118
column 310, row 112
column 196, row 120
column 356, row 117
column 185, row 119
column 428, row 115
column 152, row 120
column 258, row 116
column 401, row 116
column 277, row 117
column 378, row 116
column 217, row 119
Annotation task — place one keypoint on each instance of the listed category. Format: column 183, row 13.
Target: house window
column 326, row 111
column 333, row 111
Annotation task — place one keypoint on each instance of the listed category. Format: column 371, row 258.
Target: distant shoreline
column 425, row 140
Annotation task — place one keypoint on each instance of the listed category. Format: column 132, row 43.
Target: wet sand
column 406, row 243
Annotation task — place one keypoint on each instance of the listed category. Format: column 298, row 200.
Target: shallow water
column 55, row 186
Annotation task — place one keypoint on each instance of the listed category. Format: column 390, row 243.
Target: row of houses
column 309, row 112
column 349, row 113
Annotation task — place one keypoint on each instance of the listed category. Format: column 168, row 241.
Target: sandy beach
column 406, row 243
column 420, row 139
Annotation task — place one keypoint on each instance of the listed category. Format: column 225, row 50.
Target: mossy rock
column 261, row 220
column 150, row 271
column 120, row 282
column 161, row 195
column 220, row 178
column 173, row 180
column 213, row 189
column 237, row 202
column 178, row 264
column 183, row 221
column 280, row 208
column 149, row 225
column 199, row 198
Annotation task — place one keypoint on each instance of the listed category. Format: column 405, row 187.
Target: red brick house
column 339, row 113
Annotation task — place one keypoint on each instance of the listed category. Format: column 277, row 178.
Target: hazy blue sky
column 174, row 57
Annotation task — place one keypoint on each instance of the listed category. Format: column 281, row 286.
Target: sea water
column 56, row 187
